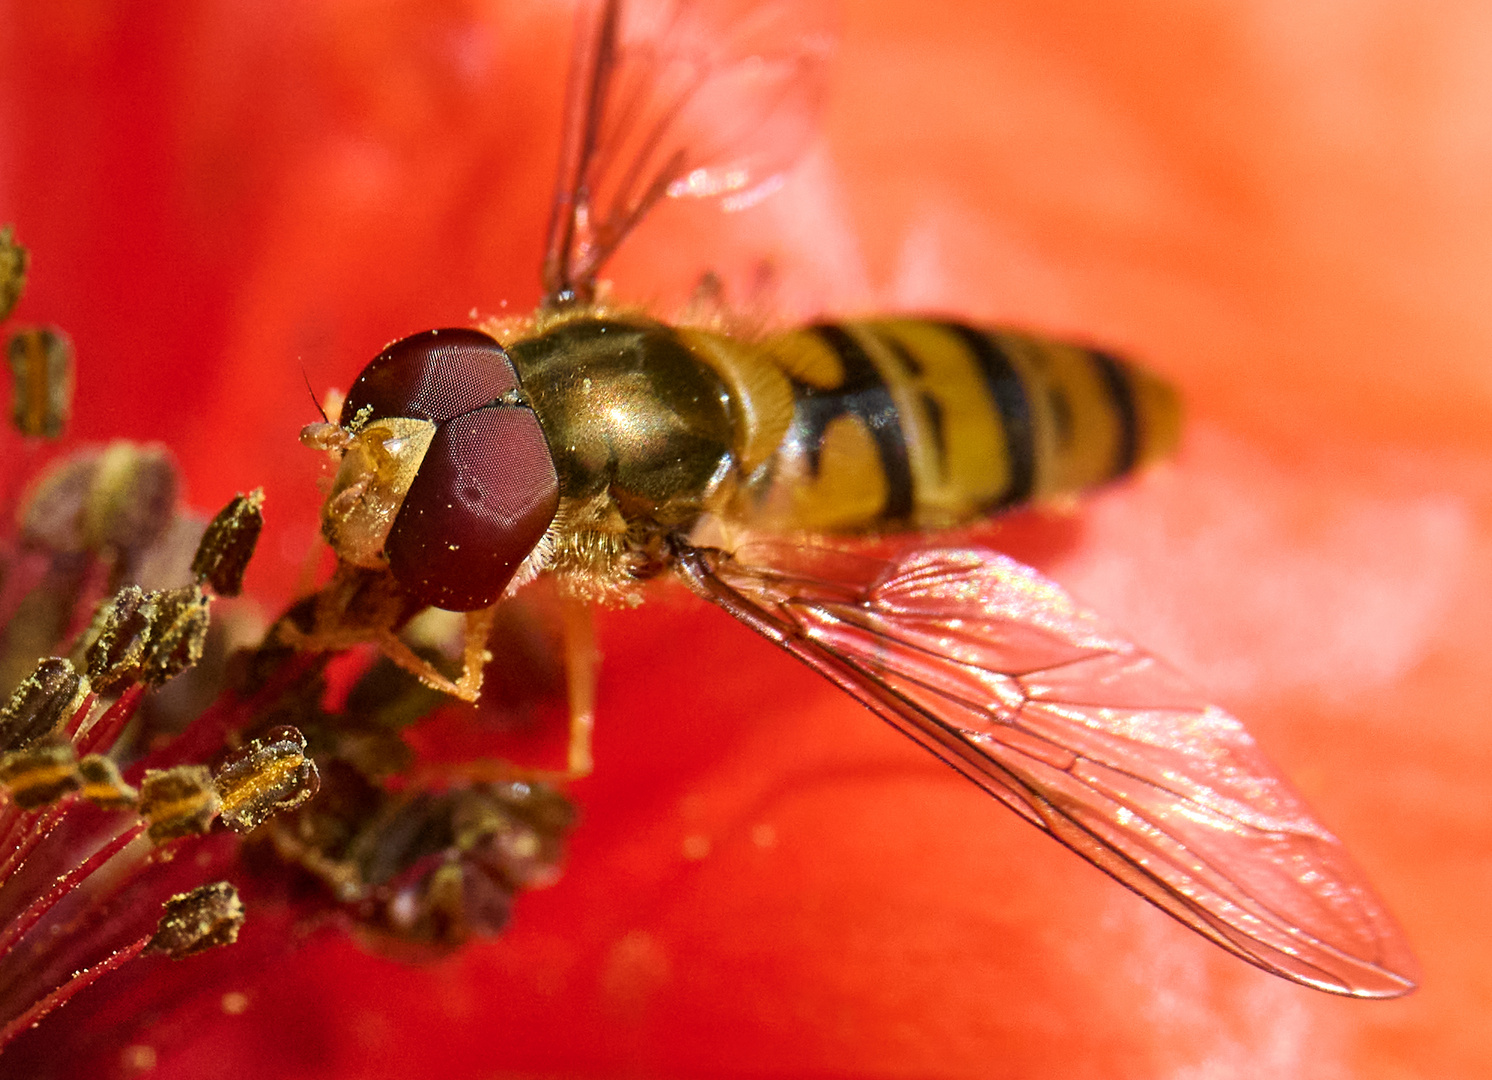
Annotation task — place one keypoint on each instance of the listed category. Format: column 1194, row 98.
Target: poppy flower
column 1278, row 207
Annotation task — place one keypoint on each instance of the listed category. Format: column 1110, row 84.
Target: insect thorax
column 641, row 435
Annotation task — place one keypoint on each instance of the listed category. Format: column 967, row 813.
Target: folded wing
column 995, row 669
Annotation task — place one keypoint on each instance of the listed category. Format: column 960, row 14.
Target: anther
column 266, row 777
column 42, row 773
column 119, row 635
column 43, row 700
column 177, row 635
column 41, row 367
column 150, row 636
column 103, row 786
column 13, row 261
column 178, row 802
column 229, row 543
column 196, row 921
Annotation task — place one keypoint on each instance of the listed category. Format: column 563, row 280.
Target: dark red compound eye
column 486, row 490
column 436, row 375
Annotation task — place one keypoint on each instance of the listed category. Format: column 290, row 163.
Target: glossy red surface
column 434, row 375
column 483, row 497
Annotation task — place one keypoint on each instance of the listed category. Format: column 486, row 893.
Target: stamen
column 109, row 817
column 266, row 777
column 38, row 705
column 228, row 543
column 208, row 916
column 82, row 852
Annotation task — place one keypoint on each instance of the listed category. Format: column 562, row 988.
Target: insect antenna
column 312, row 391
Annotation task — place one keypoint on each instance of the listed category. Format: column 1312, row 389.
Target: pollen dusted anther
column 39, row 703
column 228, row 544
column 177, row 802
column 42, row 773
column 268, row 776
column 86, row 858
column 206, row 917
column 150, row 636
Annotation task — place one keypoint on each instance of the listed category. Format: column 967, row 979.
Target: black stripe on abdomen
column 1012, row 405
column 932, row 408
column 864, row 395
column 1121, row 396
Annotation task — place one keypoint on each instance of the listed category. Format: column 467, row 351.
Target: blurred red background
column 1282, row 205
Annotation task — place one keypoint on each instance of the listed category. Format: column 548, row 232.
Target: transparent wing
column 996, row 670
column 681, row 98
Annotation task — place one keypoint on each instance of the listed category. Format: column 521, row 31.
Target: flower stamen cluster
column 92, row 872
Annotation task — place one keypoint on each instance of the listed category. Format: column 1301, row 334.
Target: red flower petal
column 1281, row 207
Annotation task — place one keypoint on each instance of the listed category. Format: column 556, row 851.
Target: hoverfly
column 602, row 448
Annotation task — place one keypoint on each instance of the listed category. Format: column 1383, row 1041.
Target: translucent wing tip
column 1393, row 974
column 996, row 670
column 1369, row 982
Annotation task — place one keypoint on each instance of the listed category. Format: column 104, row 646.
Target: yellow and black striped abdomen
column 915, row 423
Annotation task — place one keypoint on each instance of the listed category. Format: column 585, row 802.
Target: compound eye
column 484, row 496
column 436, row 375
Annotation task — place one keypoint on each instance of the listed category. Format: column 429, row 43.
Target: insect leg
column 468, row 687
column 578, row 640
column 393, row 646
column 474, row 654
column 581, row 662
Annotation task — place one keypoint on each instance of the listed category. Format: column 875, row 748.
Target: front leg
column 361, row 606
column 474, row 656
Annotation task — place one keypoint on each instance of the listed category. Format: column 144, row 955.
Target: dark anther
column 13, row 260
column 152, row 636
column 40, row 703
column 134, row 497
column 119, row 638
column 449, row 865
column 514, row 830
column 178, row 632
column 118, row 500
column 178, row 802
column 265, row 777
column 102, row 784
column 228, row 544
column 202, row 919
column 41, row 368
column 54, row 515
column 41, row 773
